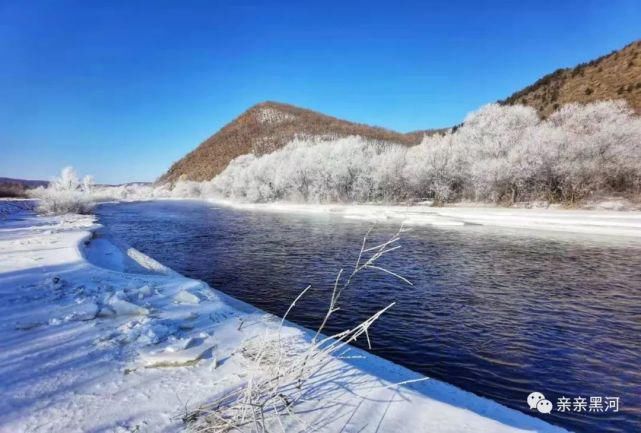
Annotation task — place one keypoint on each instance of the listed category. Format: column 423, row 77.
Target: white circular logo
column 534, row 398
column 544, row 406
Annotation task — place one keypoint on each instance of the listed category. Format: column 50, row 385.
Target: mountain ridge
column 616, row 75
column 270, row 125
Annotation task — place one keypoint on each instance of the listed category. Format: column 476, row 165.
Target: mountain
column 271, row 125
column 17, row 187
column 614, row 76
column 266, row 127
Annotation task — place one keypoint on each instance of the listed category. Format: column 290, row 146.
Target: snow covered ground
column 97, row 337
column 592, row 222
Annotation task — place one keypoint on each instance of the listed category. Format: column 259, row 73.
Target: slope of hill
column 266, row 127
column 614, row 76
column 270, row 125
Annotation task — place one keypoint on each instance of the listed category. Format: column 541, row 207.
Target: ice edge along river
column 610, row 223
column 86, row 322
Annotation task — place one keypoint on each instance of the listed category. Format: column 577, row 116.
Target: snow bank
column 623, row 224
column 96, row 339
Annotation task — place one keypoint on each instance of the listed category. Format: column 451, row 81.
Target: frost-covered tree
column 88, row 183
column 66, row 194
column 67, row 181
column 436, row 169
column 500, row 154
column 600, row 149
column 489, row 135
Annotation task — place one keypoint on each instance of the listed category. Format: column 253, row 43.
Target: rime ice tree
column 65, row 194
column 500, row 154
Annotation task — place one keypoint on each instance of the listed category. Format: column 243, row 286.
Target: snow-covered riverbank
column 98, row 337
column 592, row 222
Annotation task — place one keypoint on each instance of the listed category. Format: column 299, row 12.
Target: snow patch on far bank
column 625, row 224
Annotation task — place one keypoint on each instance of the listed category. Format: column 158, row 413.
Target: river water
column 497, row 312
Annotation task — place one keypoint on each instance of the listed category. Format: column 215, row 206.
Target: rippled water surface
column 497, row 312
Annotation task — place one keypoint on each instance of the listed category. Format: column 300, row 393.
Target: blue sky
column 120, row 90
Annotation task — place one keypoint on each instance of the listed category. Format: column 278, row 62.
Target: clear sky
column 121, row 89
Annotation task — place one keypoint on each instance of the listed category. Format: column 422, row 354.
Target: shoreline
column 616, row 223
column 84, row 368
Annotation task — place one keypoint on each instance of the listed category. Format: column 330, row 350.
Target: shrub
column 65, row 194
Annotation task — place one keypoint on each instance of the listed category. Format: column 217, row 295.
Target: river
column 498, row 312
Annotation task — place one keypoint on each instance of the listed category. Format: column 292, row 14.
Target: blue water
column 496, row 312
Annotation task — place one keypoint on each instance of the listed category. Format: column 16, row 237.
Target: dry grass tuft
column 281, row 375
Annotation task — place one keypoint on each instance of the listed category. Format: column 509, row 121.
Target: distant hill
column 614, row 76
column 17, row 187
column 266, row 127
column 271, row 125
